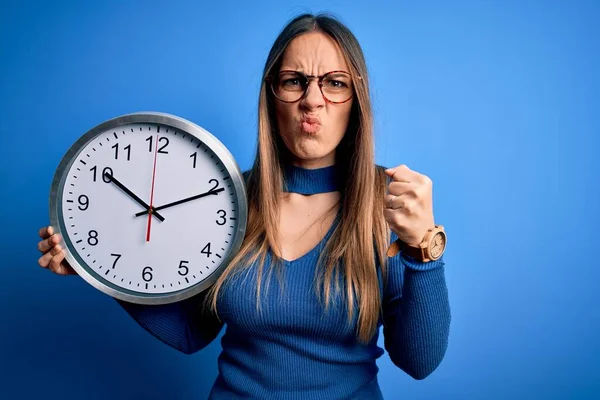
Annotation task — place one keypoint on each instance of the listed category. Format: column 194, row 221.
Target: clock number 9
column 84, row 202
column 147, row 274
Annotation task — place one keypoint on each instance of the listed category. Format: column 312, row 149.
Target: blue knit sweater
column 293, row 350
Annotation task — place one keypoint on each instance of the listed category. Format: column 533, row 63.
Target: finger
column 44, row 261
column 403, row 174
column 55, row 263
column 45, row 232
column 45, row 245
column 398, row 188
column 396, row 219
column 399, row 174
column 393, row 202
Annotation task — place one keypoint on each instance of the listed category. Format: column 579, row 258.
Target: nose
column 313, row 98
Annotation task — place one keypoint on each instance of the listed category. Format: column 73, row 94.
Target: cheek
column 339, row 118
column 285, row 118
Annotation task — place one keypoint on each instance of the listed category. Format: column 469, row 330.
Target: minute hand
column 132, row 195
column 210, row 192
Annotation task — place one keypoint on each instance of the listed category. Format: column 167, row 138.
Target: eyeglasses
column 290, row 86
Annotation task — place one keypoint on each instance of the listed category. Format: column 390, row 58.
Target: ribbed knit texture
column 293, row 349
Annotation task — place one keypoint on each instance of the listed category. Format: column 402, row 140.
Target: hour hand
column 210, row 192
column 133, row 196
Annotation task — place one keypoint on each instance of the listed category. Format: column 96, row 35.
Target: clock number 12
column 161, row 149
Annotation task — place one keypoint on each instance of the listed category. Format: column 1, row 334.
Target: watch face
column 438, row 244
column 150, row 208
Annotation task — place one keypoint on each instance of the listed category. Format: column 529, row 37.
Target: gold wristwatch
column 431, row 247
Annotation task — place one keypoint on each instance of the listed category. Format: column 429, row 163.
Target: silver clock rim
column 176, row 122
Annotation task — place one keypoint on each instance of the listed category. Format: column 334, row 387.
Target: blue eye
column 333, row 84
column 291, row 82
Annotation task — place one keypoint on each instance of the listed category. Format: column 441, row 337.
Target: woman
column 321, row 221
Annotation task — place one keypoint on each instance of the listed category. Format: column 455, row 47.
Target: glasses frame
column 271, row 80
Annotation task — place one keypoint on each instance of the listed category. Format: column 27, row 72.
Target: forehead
column 313, row 53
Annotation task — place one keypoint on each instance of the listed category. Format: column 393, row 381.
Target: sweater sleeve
column 416, row 314
column 182, row 325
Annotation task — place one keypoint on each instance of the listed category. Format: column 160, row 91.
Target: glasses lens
column 289, row 86
column 337, row 86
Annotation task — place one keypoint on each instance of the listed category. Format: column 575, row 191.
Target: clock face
column 150, row 212
column 438, row 245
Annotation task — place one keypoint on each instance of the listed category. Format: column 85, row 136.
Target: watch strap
column 414, row 252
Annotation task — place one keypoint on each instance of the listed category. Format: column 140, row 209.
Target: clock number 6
column 147, row 274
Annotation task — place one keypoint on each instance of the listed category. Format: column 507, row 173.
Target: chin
column 307, row 147
column 313, row 156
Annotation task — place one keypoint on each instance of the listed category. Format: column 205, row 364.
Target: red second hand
column 152, row 193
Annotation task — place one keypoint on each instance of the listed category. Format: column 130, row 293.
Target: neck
column 311, row 180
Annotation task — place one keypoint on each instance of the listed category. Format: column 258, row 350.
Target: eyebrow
column 326, row 72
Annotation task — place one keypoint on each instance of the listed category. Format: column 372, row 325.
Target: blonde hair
column 360, row 238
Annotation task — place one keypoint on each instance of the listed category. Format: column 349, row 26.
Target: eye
column 335, row 83
column 291, row 82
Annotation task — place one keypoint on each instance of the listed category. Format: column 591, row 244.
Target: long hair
column 358, row 242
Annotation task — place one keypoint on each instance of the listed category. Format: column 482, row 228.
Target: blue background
column 496, row 101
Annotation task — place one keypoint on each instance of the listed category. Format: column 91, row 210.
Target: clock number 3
column 222, row 217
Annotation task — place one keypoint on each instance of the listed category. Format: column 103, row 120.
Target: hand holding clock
column 53, row 256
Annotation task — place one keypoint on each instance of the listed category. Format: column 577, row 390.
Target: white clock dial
column 197, row 217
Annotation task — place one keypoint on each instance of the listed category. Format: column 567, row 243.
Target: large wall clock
column 151, row 207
